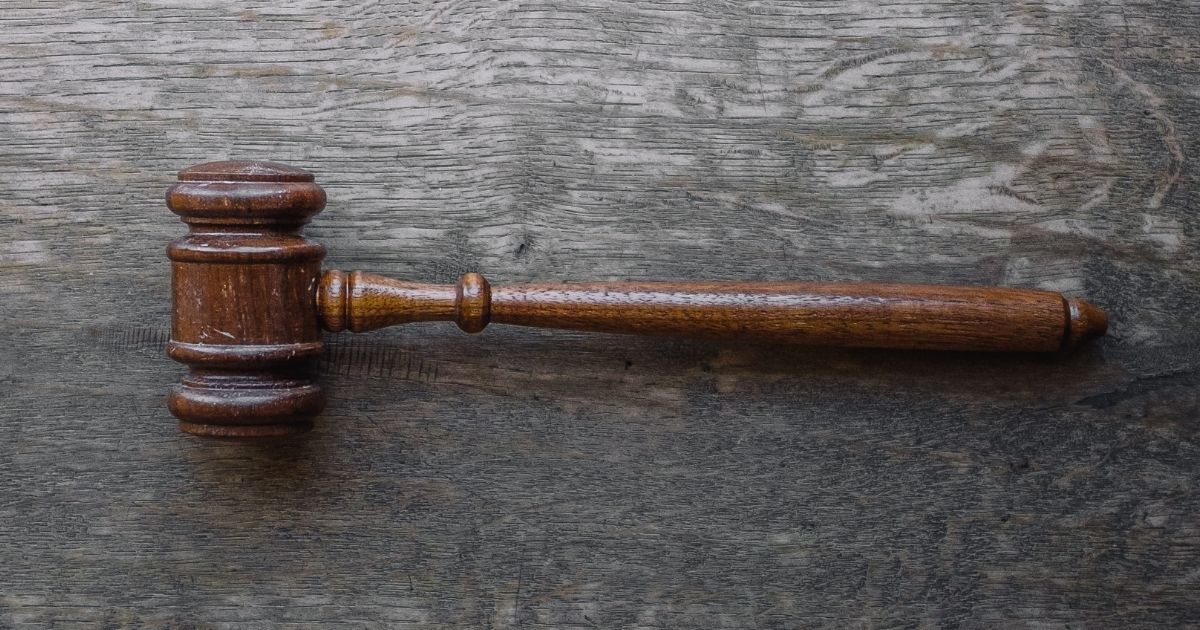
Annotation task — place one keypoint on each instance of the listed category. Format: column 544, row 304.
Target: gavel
column 249, row 302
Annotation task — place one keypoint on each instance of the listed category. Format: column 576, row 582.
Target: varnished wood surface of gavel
column 249, row 301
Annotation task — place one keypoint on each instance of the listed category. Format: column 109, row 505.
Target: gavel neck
column 358, row 301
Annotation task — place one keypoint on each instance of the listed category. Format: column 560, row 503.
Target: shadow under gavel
column 249, row 301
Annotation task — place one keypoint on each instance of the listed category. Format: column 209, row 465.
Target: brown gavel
column 249, row 302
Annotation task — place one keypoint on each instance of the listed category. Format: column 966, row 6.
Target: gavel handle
column 826, row 314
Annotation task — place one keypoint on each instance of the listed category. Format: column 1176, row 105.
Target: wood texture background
column 521, row 478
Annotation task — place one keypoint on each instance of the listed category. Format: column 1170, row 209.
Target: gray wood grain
column 522, row 478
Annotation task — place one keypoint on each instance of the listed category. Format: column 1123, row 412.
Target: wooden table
column 526, row 478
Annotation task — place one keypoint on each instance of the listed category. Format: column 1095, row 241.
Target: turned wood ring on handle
column 249, row 301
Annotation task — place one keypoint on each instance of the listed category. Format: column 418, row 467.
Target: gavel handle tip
column 1085, row 322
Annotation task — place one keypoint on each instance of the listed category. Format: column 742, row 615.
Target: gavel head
column 243, row 288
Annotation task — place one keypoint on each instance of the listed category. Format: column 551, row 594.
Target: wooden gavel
column 249, row 302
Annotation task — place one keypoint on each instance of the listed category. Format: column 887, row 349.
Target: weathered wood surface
column 525, row 478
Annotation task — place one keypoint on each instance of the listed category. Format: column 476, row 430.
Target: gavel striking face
column 250, row 300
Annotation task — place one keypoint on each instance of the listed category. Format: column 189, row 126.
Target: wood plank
column 571, row 480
